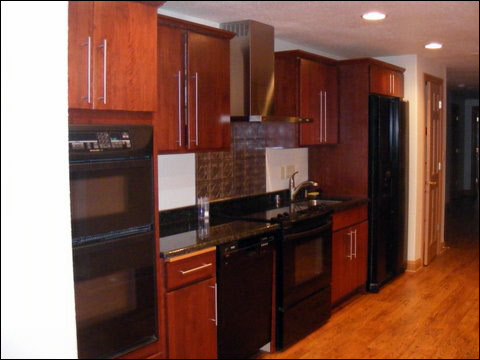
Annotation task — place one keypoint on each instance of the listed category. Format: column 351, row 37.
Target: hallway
column 433, row 313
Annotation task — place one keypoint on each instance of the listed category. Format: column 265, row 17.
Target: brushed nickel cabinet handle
column 320, row 115
column 179, row 141
column 355, row 254
column 216, row 306
column 196, row 108
column 350, row 234
column 325, row 116
column 393, row 83
column 185, row 272
column 89, row 70
column 104, row 46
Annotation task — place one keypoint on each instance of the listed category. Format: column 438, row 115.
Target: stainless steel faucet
column 295, row 189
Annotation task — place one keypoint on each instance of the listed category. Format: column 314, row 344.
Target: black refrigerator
column 387, row 188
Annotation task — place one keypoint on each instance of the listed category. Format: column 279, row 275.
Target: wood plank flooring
column 433, row 313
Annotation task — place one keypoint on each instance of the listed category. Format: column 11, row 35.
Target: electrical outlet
column 282, row 172
column 290, row 170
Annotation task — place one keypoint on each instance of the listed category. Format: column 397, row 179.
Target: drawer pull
column 195, row 269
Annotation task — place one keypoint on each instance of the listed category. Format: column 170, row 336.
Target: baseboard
column 414, row 265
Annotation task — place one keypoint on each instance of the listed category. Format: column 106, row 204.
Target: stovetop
column 291, row 213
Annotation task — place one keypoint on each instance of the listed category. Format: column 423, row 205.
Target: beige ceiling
column 336, row 27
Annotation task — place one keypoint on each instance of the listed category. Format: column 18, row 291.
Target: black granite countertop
column 203, row 237
column 180, row 233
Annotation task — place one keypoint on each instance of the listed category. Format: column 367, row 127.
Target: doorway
column 474, row 180
column 434, row 164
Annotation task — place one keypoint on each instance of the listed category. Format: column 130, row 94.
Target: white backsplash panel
column 176, row 181
column 281, row 163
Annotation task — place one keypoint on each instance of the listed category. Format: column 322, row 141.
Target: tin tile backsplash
column 241, row 171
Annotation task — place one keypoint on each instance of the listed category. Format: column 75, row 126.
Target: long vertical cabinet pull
column 216, row 306
column 104, row 46
column 350, row 234
column 179, row 141
column 325, row 115
column 355, row 254
column 89, row 70
column 393, row 83
column 196, row 108
column 320, row 115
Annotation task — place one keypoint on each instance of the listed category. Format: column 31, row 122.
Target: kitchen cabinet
column 344, row 168
column 384, row 81
column 191, row 306
column 350, row 251
column 306, row 86
column 193, row 87
column 112, row 58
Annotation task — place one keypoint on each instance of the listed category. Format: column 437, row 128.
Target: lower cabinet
column 350, row 255
column 191, row 307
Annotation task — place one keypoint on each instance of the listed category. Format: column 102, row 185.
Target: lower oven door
column 115, row 295
column 306, row 256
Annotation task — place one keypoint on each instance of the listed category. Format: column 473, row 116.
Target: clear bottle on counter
column 203, row 210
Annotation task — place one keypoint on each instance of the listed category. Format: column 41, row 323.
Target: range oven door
column 110, row 197
column 306, row 255
column 115, row 295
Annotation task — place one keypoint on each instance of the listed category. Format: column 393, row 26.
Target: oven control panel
column 99, row 141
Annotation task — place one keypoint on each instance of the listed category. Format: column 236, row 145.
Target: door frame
column 474, row 161
column 440, row 246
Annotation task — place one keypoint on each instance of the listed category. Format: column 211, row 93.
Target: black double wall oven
column 111, row 187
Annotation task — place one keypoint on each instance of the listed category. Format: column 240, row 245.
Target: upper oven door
column 307, row 259
column 110, row 197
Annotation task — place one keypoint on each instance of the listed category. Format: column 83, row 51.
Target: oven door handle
column 109, row 165
column 309, row 233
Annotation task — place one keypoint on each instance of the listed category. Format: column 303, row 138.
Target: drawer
column 350, row 217
column 186, row 269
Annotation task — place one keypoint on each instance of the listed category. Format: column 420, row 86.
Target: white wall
column 278, row 158
column 38, row 311
column 176, row 181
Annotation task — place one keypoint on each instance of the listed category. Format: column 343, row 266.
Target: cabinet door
column 361, row 253
column 397, row 84
column 380, row 80
column 125, row 56
column 312, row 87
column 80, row 43
column 170, row 117
column 208, row 92
column 343, row 275
column 192, row 331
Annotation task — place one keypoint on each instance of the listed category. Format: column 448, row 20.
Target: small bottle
column 203, row 210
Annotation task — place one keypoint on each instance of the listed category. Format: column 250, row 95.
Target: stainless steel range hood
column 252, row 73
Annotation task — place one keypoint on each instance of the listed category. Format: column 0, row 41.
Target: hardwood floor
column 433, row 313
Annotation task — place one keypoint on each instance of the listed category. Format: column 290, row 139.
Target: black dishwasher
column 244, row 298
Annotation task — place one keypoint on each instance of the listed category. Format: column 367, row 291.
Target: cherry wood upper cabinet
column 385, row 81
column 193, row 87
column 208, row 91
column 306, row 86
column 112, row 55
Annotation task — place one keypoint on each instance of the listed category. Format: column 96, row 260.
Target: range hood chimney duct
column 252, row 64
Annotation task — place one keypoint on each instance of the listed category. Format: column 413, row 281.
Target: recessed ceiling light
column 374, row 16
column 433, row 45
